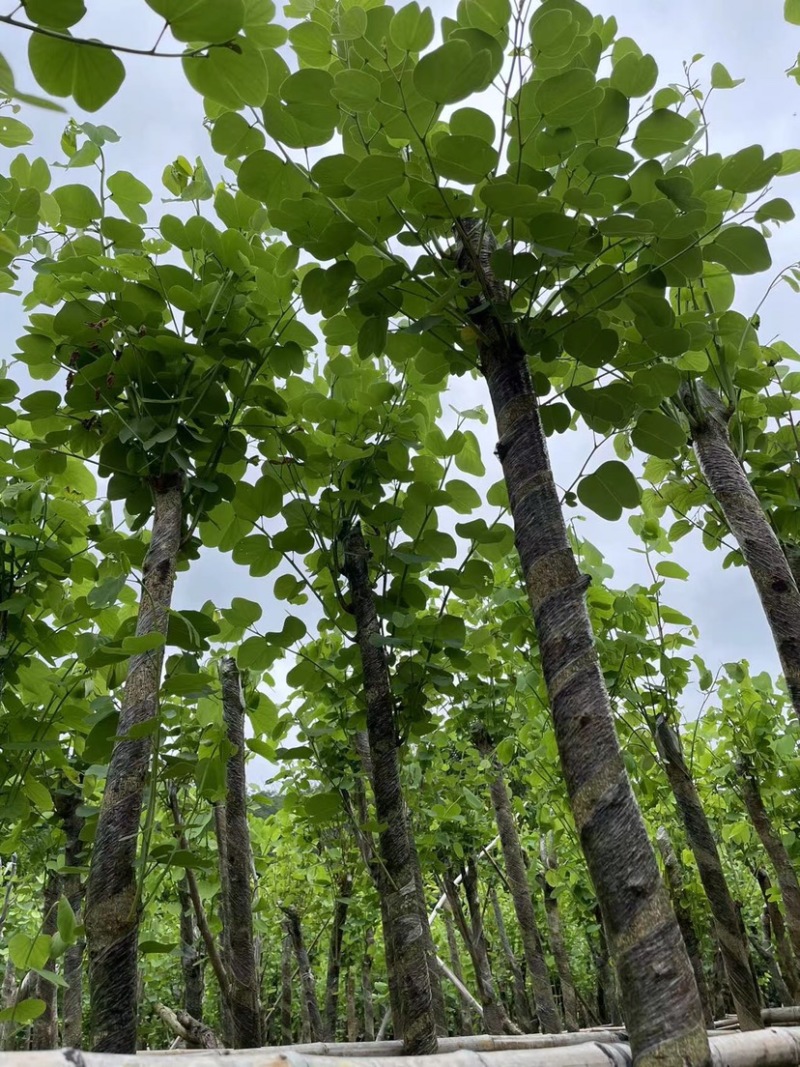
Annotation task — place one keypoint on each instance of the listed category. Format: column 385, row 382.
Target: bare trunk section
column 112, row 898
column 464, row 1017
column 44, row 1031
column 662, row 1009
column 67, row 801
column 747, row 521
column 8, row 994
column 701, row 841
column 286, row 989
column 607, row 999
column 569, row 997
column 434, row 974
column 352, row 1018
column 307, row 983
column 400, row 883
column 191, row 957
column 245, row 999
column 777, row 930
column 522, row 1009
column 366, row 988
column 517, row 877
column 763, row 948
column 775, row 849
column 675, row 887
column 495, row 1020
column 335, row 956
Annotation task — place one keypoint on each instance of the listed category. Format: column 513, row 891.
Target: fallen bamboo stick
column 756, row 1048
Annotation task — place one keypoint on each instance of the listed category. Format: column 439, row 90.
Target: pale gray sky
column 159, row 117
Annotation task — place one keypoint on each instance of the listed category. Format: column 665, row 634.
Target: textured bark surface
column 517, row 877
column 775, row 849
column 777, row 934
column 742, row 510
column 340, row 907
column 522, row 1009
column 608, row 1006
column 44, row 1031
column 243, row 977
column 674, row 878
column 495, row 1020
column 67, row 801
column 307, row 983
column 223, row 943
column 191, row 957
column 367, row 1003
column 112, row 904
column 569, row 998
column 434, row 974
column 352, row 1017
column 661, row 1006
column 732, row 944
column 763, row 949
column 286, row 988
column 464, row 1016
column 399, row 885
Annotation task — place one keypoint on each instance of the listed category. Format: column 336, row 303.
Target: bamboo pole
column 754, row 1048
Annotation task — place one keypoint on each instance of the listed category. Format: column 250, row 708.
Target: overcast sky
column 159, row 117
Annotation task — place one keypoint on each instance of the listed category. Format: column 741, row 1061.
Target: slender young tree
column 340, row 908
column 522, row 1011
column 769, row 568
column 704, row 848
column 569, row 997
column 307, row 983
column 660, row 1000
column 774, row 847
column 67, row 803
column 775, row 928
column 44, row 1032
column 399, row 884
column 519, row 887
column 113, row 897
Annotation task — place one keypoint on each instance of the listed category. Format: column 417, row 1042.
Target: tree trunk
column 675, row 887
column 352, row 1018
column 777, row 928
column 286, row 989
column 191, row 957
column 366, row 988
column 335, row 956
column 607, row 999
column 522, row 1009
column 569, row 997
column 517, row 877
column 763, row 947
column 464, row 1017
column 8, row 994
column 434, row 974
column 245, row 993
column 67, row 801
column 775, row 849
column 747, row 521
column 307, row 983
column 495, row 1020
column 113, row 903
column 399, row 885
column 44, row 1031
column 661, row 1005
column 223, row 947
column 701, row 841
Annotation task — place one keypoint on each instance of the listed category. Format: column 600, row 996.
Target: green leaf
column 451, row 72
column 589, row 343
column 791, row 11
column 662, row 132
column 778, row 209
column 464, row 158
column 567, row 97
column 13, row 132
column 377, row 176
column 670, row 569
column 721, row 79
column 411, row 28
column 201, row 21
column 356, row 89
column 55, row 14
column 634, row 75
column 748, row 171
column 66, row 921
column 609, row 489
column 24, row 1012
column 78, row 205
column 232, row 77
column 658, row 435
column 741, row 249
column 90, row 75
column 29, row 953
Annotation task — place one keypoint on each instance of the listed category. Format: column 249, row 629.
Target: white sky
column 159, row 117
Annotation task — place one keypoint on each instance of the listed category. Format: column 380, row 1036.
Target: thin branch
column 45, row 32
